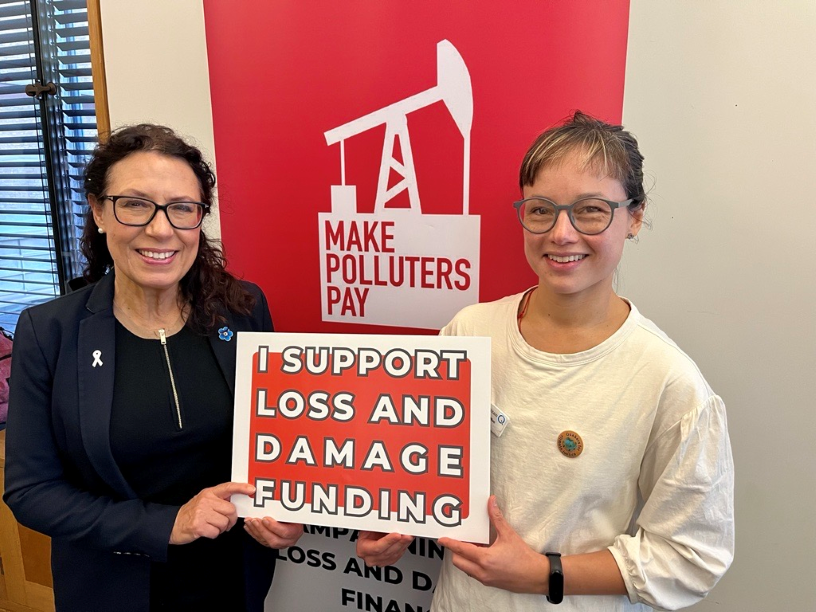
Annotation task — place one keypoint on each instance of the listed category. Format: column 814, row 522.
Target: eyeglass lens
column 137, row 211
column 589, row 216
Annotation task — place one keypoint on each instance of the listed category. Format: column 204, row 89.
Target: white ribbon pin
column 97, row 361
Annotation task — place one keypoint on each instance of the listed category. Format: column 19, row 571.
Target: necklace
column 525, row 303
column 145, row 331
column 148, row 333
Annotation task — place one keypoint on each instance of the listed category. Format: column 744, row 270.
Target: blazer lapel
column 223, row 346
column 96, row 365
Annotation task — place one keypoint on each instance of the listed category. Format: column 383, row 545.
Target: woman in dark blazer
column 120, row 421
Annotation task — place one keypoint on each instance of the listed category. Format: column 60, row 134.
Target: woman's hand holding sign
column 208, row 514
column 380, row 549
column 272, row 533
column 508, row 563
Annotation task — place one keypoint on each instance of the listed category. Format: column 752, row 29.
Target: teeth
column 566, row 259
column 154, row 255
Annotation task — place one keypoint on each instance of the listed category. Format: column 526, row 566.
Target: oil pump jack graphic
column 454, row 89
column 400, row 266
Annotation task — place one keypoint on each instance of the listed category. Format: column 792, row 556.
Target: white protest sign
column 384, row 433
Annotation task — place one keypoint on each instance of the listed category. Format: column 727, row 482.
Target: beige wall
column 722, row 95
column 156, row 66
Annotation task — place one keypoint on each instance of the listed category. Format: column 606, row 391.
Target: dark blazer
column 61, row 477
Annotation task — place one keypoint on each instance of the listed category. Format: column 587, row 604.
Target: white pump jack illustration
column 398, row 266
column 454, row 89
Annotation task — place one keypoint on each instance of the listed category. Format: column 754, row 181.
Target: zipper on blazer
column 163, row 339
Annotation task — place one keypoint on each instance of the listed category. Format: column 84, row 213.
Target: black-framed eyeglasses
column 588, row 216
column 138, row 212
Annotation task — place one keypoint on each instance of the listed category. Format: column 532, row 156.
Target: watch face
column 556, row 587
column 556, row 580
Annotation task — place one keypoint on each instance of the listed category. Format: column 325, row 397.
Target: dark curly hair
column 207, row 286
column 607, row 148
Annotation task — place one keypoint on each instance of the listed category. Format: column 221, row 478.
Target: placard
column 383, row 433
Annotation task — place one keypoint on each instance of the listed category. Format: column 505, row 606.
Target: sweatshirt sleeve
column 684, row 535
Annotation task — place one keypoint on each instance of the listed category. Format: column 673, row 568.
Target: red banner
column 410, row 115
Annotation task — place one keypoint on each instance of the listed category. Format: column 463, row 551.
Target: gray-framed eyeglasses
column 588, row 216
column 138, row 212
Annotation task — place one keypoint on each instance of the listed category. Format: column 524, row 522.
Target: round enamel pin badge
column 570, row 444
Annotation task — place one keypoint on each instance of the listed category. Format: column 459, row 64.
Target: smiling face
column 153, row 258
column 567, row 262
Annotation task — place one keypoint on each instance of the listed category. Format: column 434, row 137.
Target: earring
column 628, row 237
column 100, row 230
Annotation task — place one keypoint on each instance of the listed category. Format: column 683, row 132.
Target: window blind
column 44, row 145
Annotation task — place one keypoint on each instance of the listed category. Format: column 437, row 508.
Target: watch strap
column 556, row 581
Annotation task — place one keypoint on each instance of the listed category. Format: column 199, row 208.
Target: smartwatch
column 556, row 595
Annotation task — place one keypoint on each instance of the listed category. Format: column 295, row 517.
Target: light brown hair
column 607, row 148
